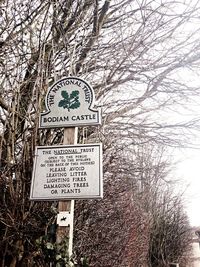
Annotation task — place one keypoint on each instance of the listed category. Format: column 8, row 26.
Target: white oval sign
column 69, row 103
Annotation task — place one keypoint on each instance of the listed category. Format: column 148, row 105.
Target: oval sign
column 69, row 103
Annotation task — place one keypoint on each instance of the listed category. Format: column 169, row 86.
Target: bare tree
column 170, row 234
column 132, row 53
column 115, row 230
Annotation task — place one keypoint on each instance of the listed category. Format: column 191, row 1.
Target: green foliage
column 54, row 252
column 84, row 262
column 69, row 102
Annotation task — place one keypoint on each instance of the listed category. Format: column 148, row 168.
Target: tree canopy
column 140, row 57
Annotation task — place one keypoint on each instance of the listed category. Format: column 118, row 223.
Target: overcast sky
column 189, row 171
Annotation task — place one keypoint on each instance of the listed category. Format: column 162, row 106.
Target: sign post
column 70, row 171
column 70, row 137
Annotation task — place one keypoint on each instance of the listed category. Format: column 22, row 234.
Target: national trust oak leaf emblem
column 69, row 101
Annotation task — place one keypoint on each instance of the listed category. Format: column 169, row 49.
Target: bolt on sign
column 67, row 172
column 69, row 103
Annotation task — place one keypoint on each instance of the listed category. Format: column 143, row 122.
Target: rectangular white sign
column 67, row 172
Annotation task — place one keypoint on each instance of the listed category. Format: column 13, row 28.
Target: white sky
column 189, row 171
